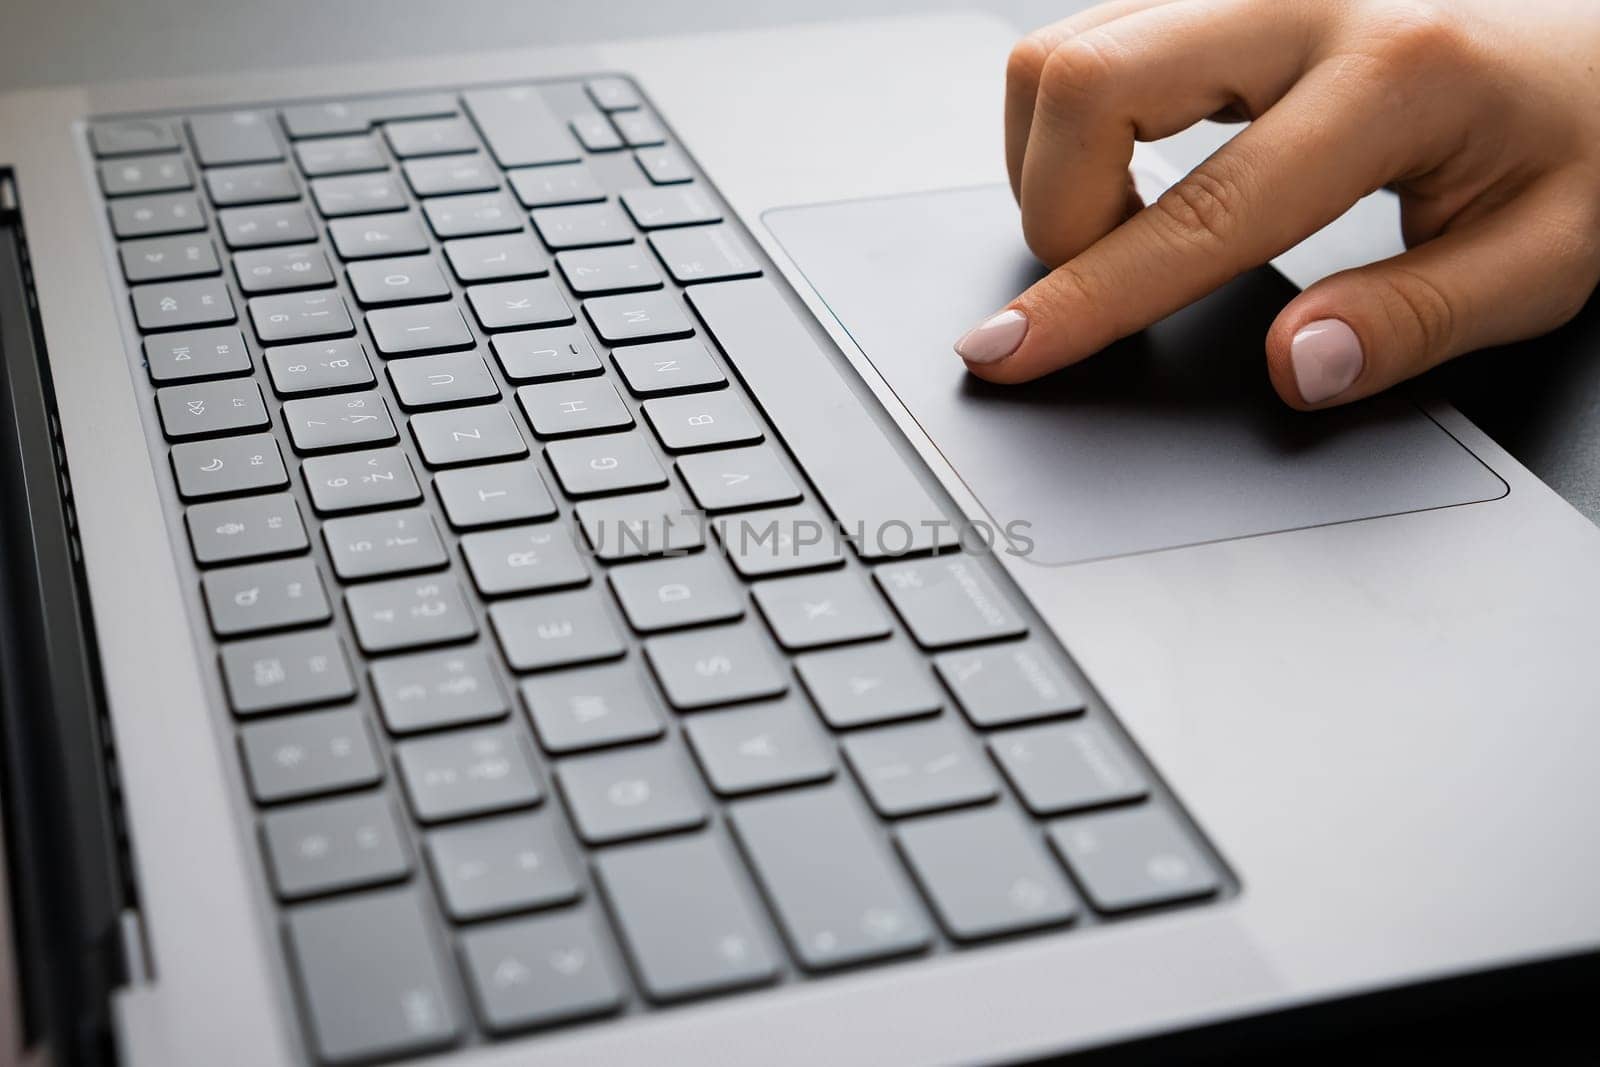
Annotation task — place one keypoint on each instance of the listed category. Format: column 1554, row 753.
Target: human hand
column 1483, row 115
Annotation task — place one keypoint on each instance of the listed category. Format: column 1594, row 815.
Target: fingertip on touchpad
column 1172, row 437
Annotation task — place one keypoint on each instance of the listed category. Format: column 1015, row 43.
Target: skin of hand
column 1483, row 115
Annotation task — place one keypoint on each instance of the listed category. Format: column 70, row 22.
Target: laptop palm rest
column 1172, row 437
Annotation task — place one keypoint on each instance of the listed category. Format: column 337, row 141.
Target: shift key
column 373, row 977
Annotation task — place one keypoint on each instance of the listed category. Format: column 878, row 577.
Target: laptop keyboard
column 509, row 476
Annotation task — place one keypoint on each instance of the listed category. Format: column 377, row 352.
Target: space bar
column 865, row 482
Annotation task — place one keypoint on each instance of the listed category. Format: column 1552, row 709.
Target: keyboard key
column 639, row 129
column 613, row 463
column 332, row 845
column 158, row 259
column 621, row 320
column 472, row 214
column 374, row 979
column 501, row 865
column 535, row 972
column 494, row 494
column 677, row 205
column 403, row 331
column 355, row 481
column 635, row 792
column 545, row 355
column 442, row 381
column 582, row 226
column 319, row 367
column 308, row 755
column 702, row 420
column 519, row 128
column 523, row 559
column 918, row 767
column 409, row 613
column 507, row 305
column 1066, row 766
column 687, row 917
column 339, row 155
column 255, row 227
column 581, row 405
column 565, row 183
column 437, row 689
column 252, row 527
column 467, row 772
column 1133, row 858
column 276, row 270
column 144, row 174
column 1009, row 684
column 174, row 305
column 383, row 543
column 703, row 668
column 738, row 478
column 619, row 269
column 355, row 194
column 791, row 379
column 750, row 749
column 358, row 116
column 595, row 133
column 704, row 254
column 591, row 708
column 812, row 610
column 300, row 316
column 467, row 435
column 207, row 409
column 555, row 630
column 233, row 137
column 323, row 423
column 640, row 525
column 192, row 355
column 403, row 280
column 152, row 216
column 447, row 175
column 264, row 596
column 125, row 137
column 664, row 166
column 666, row 594
column 948, row 601
column 780, row 541
column 869, row 684
column 429, row 137
column 228, row 466
column 507, row 255
column 665, row 367
column 259, row 183
column 986, row 874
column 371, row 236
column 838, row 895
column 291, row 671
column 612, row 94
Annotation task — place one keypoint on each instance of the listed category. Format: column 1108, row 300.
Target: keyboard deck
column 591, row 642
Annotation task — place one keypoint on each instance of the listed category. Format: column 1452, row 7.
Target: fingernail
column 995, row 338
column 1326, row 355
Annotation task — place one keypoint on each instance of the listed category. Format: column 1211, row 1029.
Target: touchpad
column 1172, row 437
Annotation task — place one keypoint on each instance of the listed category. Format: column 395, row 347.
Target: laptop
column 501, row 566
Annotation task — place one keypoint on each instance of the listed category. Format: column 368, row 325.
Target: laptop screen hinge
column 66, row 864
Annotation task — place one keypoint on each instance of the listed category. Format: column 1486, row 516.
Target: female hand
column 1483, row 115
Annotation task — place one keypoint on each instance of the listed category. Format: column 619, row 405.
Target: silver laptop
column 502, row 567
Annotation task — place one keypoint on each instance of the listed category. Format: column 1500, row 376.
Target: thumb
column 1524, row 269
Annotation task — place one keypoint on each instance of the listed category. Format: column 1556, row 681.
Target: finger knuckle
column 1025, row 64
column 1416, row 33
column 1082, row 302
column 1203, row 208
column 1421, row 315
column 1077, row 74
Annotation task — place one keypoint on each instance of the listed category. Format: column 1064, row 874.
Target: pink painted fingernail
column 995, row 338
column 1326, row 356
